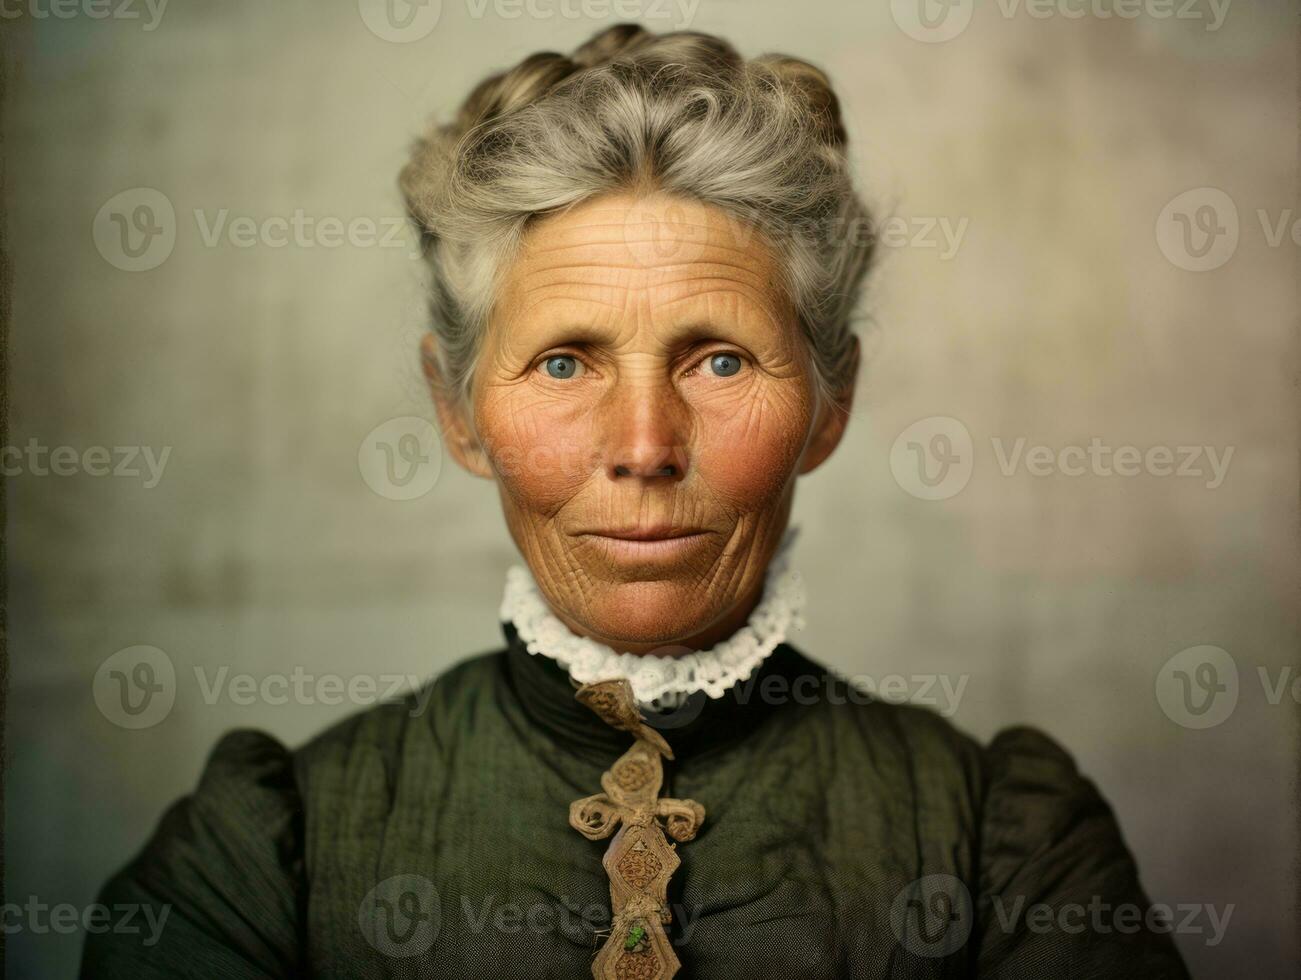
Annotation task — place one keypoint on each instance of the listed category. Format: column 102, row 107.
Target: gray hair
column 679, row 113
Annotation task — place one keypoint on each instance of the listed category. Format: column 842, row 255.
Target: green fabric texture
column 843, row 837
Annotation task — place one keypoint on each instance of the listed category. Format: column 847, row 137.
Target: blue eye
column 725, row 365
column 562, row 366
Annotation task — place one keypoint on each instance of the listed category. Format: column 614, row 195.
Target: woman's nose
column 646, row 431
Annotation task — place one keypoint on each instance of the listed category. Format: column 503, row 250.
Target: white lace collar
column 662, row 682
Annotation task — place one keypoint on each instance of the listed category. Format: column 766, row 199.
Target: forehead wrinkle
column 740, row 304
column 607, row 284
column 609, row 276
column 745, row 301
column 694, row 305
column 600, row 294
column 748, row 258
column 756, row 250
column 719, row 228
column 538, row 239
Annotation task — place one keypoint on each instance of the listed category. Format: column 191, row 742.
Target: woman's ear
column 833, row 417
column 458, row 433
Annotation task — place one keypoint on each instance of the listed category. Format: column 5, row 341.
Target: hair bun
column 814, row 85
column 611, row 43
column 539, row 73
column 531, row 79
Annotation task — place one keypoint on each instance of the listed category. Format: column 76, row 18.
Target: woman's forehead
column 627, row 252
column 654, row 233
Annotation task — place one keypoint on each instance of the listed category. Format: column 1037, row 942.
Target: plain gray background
column 1054, row 143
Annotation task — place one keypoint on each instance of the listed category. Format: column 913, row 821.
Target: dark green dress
column 842, row 838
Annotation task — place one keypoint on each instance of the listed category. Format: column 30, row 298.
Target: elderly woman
column 644, row 261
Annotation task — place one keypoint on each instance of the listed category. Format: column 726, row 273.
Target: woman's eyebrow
column 564, row 332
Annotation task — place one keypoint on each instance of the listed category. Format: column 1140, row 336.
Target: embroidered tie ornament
column 640, row 860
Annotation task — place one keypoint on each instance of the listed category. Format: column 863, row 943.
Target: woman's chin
column 663, row 613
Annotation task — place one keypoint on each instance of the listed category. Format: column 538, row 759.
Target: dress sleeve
column 218, row 887
column 1059, row 890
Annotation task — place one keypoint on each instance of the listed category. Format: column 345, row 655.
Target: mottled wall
column 1068, row 304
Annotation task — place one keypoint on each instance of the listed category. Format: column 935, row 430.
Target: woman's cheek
column 747, row 450
column 540, row 448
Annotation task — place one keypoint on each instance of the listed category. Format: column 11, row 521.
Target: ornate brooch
column 640, row 860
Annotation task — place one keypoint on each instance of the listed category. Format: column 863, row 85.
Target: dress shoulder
column 223, row 878
column 219, row 884
column 1059, row 892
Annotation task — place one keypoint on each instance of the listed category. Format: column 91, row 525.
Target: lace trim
column 662, row 682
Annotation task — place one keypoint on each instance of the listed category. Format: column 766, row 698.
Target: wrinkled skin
column 599, row 403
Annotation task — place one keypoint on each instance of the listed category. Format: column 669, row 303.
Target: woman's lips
column 641, row 545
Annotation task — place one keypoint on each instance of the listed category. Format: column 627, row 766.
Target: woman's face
column 644, row 401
